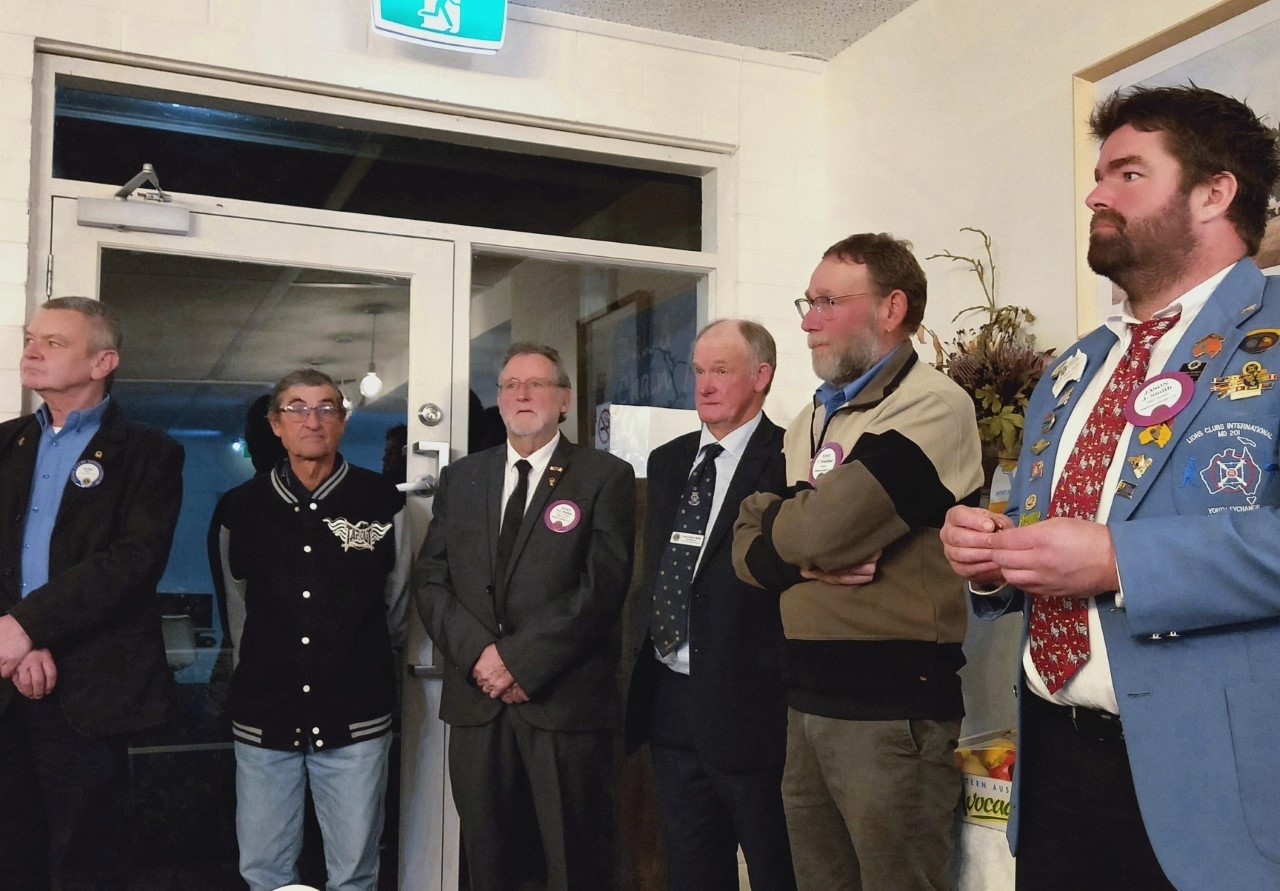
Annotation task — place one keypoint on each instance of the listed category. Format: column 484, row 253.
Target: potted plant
column 997, row 363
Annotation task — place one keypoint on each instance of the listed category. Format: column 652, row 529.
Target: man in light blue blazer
column 1149, row 701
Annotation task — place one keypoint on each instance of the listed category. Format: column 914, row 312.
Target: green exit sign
column 476, row 26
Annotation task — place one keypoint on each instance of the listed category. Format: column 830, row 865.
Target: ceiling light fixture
column 371, row 384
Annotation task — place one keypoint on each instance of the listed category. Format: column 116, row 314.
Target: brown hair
column 891, row 265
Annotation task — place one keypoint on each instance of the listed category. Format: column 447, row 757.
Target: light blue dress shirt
column 57, row 455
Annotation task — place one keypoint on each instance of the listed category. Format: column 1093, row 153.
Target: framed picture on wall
column 1233, row 48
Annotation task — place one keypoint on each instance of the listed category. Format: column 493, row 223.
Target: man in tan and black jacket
column 873, row 615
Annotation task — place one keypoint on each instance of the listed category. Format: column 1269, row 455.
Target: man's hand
column 14, row 645
column 36, row 675
column 859, row 574
column 491, row 673
column 1059, row 557
column 967, row 539
column 515, row 695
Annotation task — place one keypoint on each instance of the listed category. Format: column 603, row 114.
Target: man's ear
column 764, row 376
column 104, row 363
column 1213, row 197
column 895, row 305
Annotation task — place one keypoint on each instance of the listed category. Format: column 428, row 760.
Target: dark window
column 258, row 154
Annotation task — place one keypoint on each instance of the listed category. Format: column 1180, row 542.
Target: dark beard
column 1146, row 255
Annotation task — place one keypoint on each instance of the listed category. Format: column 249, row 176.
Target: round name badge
column 1159, row 399
column 561, row 516
column 829, row 457
column 87, row 474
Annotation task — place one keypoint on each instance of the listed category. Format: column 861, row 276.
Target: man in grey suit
column 520, row 583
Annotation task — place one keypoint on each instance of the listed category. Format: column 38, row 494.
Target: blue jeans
column 348, row 786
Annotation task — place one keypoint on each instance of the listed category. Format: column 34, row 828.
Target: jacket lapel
column 1232, row 304
column 495, row 475
column 754, row 457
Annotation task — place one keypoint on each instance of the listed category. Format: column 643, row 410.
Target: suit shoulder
column 601, row 461
column 9, row 430
column 151, row 437
column 672, row 447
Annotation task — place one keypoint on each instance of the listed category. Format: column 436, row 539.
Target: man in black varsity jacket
column 315, row 559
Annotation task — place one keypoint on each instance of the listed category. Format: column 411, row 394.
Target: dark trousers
column 706, row 813
column 535, row 806
column 1078, row 819
column 65, row 808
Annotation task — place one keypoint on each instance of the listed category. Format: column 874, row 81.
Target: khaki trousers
column 870, row 804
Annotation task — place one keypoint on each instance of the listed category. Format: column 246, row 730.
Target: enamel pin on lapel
column 1209, row 345
column 1260, row 340
column 552, row 470
column 1068, row 371
column 1139, row 463
column 1251, row 381
column 1193, row 369
column 1160, row 434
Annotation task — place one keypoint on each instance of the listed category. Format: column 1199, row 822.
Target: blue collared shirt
column 57, row 455
column 832, row 397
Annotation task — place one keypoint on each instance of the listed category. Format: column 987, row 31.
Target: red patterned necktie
column 1060, row 625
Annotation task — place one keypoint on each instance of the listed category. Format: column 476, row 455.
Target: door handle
column 424, row 484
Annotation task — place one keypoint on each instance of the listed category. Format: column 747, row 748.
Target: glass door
column 211, row 320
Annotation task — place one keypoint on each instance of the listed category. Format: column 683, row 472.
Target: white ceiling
column 815, row 28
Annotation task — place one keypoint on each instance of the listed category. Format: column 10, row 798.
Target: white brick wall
column 556, row 67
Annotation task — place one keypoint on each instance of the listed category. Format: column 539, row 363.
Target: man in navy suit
column 1149, row 700
column 520, row 584
column 712, row 704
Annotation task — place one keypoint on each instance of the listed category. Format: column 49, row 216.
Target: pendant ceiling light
column 371, row 384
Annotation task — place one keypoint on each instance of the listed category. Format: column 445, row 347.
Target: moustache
column 1108, row 216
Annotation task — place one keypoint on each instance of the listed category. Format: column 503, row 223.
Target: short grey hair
column 550, row 353
column 106, row 324
column 757, row 338
column 305, row 377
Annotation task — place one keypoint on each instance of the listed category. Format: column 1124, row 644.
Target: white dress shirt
column 538, row 462
column 735, row 443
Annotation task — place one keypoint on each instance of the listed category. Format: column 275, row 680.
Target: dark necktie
column 512, row 516
column 1060, row 625
column 669, row 626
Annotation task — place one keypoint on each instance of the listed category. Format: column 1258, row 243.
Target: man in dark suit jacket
column 89, row 502
column 711, row 703
column 520, row 583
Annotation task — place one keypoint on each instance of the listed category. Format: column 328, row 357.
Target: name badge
column 1159, row 399
column 562, row 516
column 87, row 474
column 689, row 539
column 829, row 457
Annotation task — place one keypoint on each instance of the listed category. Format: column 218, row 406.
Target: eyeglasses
column 300, row 413
column 826, row 306
column 535, row 385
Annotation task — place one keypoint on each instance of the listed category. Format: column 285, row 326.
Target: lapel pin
column 1209, row 345
column 1125, row 489
column 1139, row 463
column 1251, row 381
column 1260, row 340
column 1068, row 371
